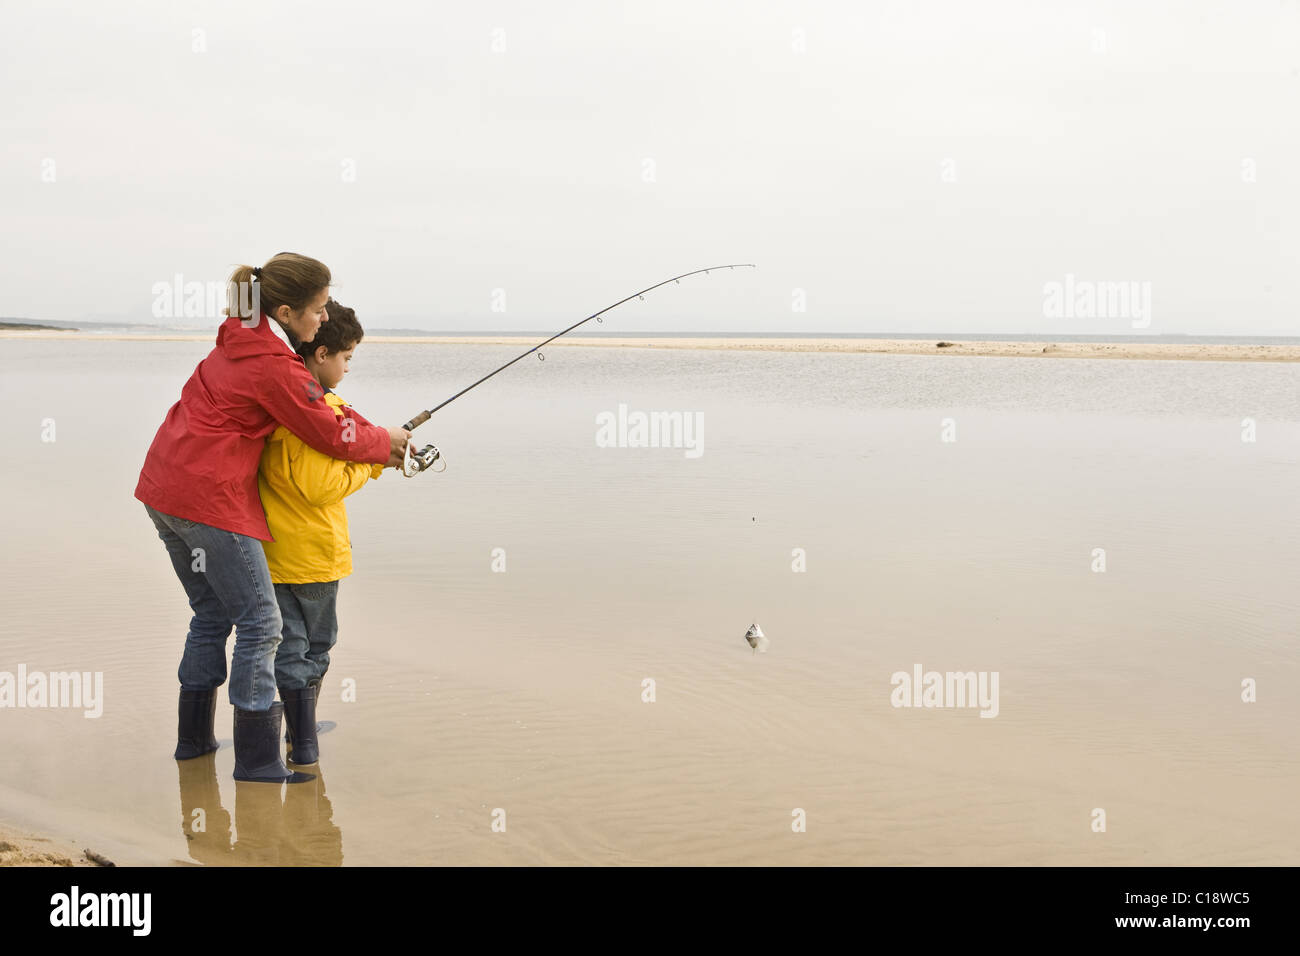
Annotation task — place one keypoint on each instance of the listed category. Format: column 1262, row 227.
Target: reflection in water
column 272, row 827
column 308, row 834
column 204, row 821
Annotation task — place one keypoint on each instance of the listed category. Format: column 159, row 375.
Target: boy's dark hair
column 342, row 331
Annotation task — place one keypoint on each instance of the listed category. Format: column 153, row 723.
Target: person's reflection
column 205, row 823
column 272, row 829
column 314, row 839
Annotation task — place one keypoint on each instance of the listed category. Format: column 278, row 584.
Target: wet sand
column 1191, row 351
column 20, row 847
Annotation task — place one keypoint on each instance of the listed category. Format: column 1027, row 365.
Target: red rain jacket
column 203, row 462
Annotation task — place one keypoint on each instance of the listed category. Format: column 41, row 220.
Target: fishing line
column 421, row 460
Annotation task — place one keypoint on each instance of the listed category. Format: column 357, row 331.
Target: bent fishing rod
column 416, row 462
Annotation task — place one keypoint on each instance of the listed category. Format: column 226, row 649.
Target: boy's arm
column 323, row 480
column 353, row 413
column 296, row 401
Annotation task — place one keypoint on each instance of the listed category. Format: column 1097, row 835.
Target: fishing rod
column 416, row 462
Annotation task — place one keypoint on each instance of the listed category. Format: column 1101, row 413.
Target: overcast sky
column 904, row 166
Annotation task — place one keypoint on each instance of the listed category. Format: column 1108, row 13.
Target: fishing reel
column 422, row 460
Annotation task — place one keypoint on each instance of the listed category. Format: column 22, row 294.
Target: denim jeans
column 310, row 630
column 232, row 589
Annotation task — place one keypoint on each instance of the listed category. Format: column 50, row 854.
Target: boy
column 302, row 492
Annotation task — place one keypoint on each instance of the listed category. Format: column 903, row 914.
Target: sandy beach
column 1191, row 351
column 19, row 847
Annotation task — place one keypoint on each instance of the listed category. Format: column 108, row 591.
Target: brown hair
column 286, row 279
column 340, row 333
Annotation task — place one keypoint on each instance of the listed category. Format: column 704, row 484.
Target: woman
column 199, row 486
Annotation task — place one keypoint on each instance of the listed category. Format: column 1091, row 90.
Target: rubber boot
column 300, row 720
column 257, row 747
column 198, row 711
column 321, row 726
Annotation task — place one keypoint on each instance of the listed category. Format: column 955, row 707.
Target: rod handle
column 419, row 419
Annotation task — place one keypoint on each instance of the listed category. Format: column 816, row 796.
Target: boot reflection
column 204, row 821
column 272, row 827
column 312, row 839
column 259, row 823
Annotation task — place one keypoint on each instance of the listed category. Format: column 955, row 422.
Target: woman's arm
column 353, row 413
column 296, row 400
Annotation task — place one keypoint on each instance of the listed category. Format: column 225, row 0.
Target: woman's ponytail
column 240, row 294
column 286, row 279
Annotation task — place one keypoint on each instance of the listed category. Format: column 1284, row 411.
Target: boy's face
column 330, row 369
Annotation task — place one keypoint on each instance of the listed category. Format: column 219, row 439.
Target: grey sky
column 917, row 167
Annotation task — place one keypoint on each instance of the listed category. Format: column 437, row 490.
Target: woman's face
column 304, row 323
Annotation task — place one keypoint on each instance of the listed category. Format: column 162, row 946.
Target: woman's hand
column 397, row 437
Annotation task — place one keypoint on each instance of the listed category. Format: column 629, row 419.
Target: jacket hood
column 240, row 341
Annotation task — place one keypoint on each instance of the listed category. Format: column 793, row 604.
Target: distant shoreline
column 1183, row 351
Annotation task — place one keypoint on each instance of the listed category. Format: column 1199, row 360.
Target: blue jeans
column 230, row 588
column 310, row 630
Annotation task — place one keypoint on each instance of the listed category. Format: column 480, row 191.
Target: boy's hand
column 398, row 437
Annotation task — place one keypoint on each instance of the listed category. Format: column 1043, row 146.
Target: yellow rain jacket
column 302, row 493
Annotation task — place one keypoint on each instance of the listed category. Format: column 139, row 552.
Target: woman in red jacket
column 199, row 486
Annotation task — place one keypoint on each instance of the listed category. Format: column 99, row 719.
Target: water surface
column 523, row 690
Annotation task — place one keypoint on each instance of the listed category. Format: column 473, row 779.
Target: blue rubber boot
column 257, row 747
column 198, row 712
column 300, row 722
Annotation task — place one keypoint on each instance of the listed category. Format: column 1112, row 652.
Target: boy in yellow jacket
column 302, row 492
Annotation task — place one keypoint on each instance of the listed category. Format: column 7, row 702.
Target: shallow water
column 522, row 690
